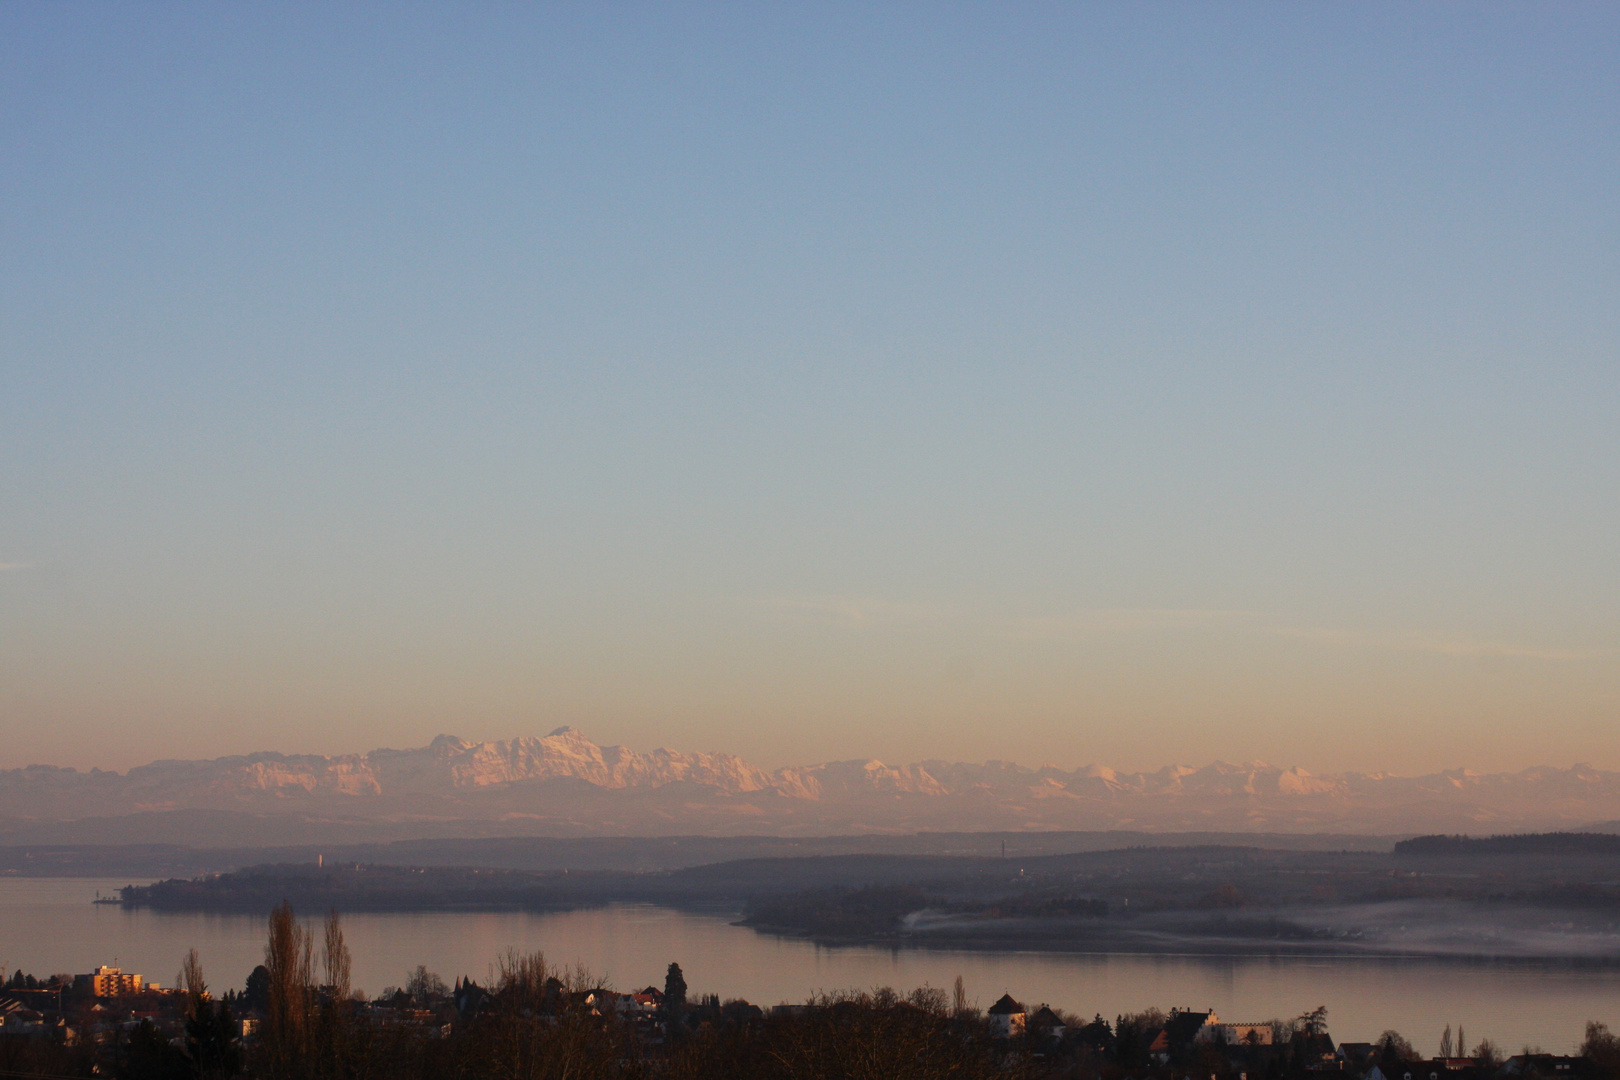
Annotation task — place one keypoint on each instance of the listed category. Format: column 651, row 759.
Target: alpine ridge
column 565, row 784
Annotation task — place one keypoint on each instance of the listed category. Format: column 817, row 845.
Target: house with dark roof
column 1432, row 1069
column 1179, row 1033
column 1007, row 1018
column 1047, row 1022
column 1315, row 1050
column 1549, row 1067
column 19, row 1019
column 1357, row 1054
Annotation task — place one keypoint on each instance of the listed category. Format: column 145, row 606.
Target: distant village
column 534, row 1021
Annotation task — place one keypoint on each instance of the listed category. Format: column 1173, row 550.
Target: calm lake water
column 49, row 925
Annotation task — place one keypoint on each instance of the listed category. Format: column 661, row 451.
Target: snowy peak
column 568, row 754
column 564, row 781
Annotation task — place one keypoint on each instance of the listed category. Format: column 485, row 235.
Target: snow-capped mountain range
column 564, row 784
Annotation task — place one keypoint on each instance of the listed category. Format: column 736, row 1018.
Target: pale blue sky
column 1134, row 383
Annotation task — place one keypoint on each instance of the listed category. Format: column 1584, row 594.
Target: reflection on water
column 49, row 925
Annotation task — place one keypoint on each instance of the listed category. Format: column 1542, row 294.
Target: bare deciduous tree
column 288, row 958
column 190, row 979
column 335, row 958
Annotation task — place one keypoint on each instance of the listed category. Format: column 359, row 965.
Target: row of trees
column 21, row 981
column 1600, row 1047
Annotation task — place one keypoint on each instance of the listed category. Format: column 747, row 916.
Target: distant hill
column 636, row 854
column 1555, row 843
column 564, row 785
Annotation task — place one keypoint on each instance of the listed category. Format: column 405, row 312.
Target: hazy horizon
column 1127, row 385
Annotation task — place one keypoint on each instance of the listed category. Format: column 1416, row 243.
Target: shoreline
column 1032, row 943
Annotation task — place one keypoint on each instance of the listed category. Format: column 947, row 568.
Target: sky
column 1118, row 383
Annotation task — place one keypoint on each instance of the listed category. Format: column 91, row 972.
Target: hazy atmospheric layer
column 564, row 783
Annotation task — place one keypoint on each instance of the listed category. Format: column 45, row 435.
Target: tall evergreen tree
column 674, row 992
column 211, row 1041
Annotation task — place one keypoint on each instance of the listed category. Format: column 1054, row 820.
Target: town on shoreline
column 297, row 1018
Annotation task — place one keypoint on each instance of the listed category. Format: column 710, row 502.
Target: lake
column 49, row 925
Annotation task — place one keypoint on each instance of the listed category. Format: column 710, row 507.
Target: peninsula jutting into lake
column 1540, row 896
